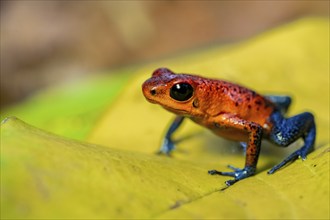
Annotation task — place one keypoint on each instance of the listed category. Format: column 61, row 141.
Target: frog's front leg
column 168, row 144
column 254, row 131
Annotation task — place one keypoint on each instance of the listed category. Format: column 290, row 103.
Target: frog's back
column 222, row 97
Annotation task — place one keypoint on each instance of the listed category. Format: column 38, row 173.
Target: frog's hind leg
column 287, row 130
column 282, row 102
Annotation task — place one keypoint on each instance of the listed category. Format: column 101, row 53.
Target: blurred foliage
column 49, row 176
column 70, row 110
column 64, row 41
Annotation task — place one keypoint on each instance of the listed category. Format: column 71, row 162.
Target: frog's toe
column 238, row 174
column 273, row 170
column 233, row 168
column 302, row 154
column 165, row 152
column 167, row 147
column 214, row 172
column 292, row 157
column 232, row 174
column 243, row 145
column 303, row 157
column 231, row 182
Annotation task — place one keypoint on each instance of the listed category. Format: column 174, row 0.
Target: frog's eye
column 181, row 91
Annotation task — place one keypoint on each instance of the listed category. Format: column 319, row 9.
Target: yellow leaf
column 48, row 176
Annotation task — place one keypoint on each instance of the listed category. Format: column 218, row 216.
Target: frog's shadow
column 216, row 145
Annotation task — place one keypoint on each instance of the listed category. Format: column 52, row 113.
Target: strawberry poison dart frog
column 233, row 112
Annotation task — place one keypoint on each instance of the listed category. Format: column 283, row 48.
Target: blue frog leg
column 168, row 144
column 287, row 130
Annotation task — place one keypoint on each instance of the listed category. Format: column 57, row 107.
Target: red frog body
column 230, row 111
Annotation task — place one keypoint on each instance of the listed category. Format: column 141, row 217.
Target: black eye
column 181, row 91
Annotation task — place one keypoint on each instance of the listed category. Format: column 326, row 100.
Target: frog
column 233, row 112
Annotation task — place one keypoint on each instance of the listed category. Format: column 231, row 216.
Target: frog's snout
column 155, row 88
column 146, row 87
column 149, row 90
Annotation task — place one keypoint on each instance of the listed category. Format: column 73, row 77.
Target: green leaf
column 72, row 109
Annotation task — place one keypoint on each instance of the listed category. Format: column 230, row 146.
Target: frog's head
column 175, row 92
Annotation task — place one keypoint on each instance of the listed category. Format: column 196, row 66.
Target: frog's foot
column 243, row 145
column 167, row 147
column 238, row 174
column 287, row 130
column 292, row 157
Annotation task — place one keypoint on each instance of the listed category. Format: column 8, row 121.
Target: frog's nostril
column 153, row 91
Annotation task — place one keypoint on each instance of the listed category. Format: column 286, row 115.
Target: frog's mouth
column 176, row 111
column 170, row 109
column 151, row 100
